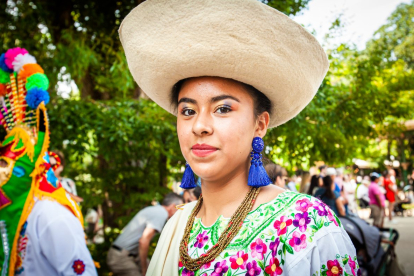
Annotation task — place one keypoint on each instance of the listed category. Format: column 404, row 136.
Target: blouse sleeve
column 331, row 253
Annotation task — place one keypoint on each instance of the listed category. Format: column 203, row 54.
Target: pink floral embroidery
column 201, row 239
column 303, row 205
column 298, row 241
column 239, row 260
column 274, row 269
column 352, row 265
column 301, row 220
column 258, row 249
column 220, row 268
column 334, row 268
column 331, row 217
column 207, row 265
column 282, row 224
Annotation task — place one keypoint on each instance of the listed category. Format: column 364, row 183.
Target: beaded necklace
column 226, row 237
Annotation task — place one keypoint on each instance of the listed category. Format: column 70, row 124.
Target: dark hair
column 385, row 173
column 373, row 178
column 327, row 184
column 274, row 171
column 196, row 192
column 313, row 184
column 172, row 198
column 261, row 102
column 322, row 167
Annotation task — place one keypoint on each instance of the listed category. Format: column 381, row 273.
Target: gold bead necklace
column 226, row 237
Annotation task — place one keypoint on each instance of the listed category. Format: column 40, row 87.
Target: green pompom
column 38, row 80
column 4, row 77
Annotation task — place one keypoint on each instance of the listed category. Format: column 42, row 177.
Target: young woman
column 230, row 70
column 331, row 197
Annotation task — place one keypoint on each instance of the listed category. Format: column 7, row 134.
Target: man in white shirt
column 128, row 254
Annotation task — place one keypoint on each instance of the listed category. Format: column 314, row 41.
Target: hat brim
column 166, row 41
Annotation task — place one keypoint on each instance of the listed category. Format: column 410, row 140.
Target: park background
column 122, row 149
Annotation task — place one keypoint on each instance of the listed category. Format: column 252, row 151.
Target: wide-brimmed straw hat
column 166, row 41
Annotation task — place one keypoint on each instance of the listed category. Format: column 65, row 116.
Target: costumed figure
column 229, row 70
column 40, row 224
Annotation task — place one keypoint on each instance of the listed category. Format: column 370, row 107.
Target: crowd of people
column 343, row 193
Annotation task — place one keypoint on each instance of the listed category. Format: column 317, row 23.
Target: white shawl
column 165, row 260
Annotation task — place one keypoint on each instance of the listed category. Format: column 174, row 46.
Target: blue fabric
column 337, row 189
column 331, row 202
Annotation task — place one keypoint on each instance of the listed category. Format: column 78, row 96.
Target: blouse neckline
column 222, row 218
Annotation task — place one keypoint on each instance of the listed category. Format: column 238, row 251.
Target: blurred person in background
column 277, row 174
column 191, row 195
column 315, row 184
column 376, row 200
column 129, row 252
column 331, row 172
column 350, row 187
column 391, row 192
column 331, row 197
column 305, row 182
column 322, row 170
column 292, row 183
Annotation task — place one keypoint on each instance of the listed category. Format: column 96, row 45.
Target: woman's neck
column 223, row 197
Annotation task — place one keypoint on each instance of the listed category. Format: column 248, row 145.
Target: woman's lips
column 203, row 150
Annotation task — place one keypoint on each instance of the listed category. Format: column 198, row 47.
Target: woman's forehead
column 206, row 88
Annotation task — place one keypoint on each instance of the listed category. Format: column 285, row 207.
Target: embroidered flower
column 282, row 224
column 273, row 246
column 352, row 265
column 303, row 205
column 298, row 241
column 253, row 269
column 320, row 207
column 220, row 268
column 301, row 221
column 334, row 268
column 239, row 260
column 331, row 217
column 201, row 239
column 180, row 264
column 207, row 265
column 258, row 249
column 274, row 269
column 359, row 272
column 78, row 267
column 187, row 272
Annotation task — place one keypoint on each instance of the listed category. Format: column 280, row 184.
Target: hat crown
column 166, row 41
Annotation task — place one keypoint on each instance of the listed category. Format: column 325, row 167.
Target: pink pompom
column 11, row 54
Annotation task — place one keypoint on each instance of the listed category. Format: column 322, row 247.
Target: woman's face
column 216, row 125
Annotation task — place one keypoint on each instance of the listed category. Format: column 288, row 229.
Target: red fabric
column 390, row 192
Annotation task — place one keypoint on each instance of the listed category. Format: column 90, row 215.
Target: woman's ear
column 262, row 124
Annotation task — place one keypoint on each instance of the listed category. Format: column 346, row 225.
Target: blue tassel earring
column 189, row 180
column 257, row 173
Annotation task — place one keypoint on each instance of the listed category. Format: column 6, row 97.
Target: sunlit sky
column 362, row 17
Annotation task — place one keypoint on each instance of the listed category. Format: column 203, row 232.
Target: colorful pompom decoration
column 21, row 60
column 4, row 77
column 2, row 90
column 37, row 80
column 30, row 69
column 35, row 96
column 11, row 55
column 3, row 65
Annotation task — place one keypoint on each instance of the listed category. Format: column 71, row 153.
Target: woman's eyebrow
column 187, row 100
column 223, row 97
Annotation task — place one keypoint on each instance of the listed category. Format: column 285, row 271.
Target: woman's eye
column 188, row 112
column 223, row 109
